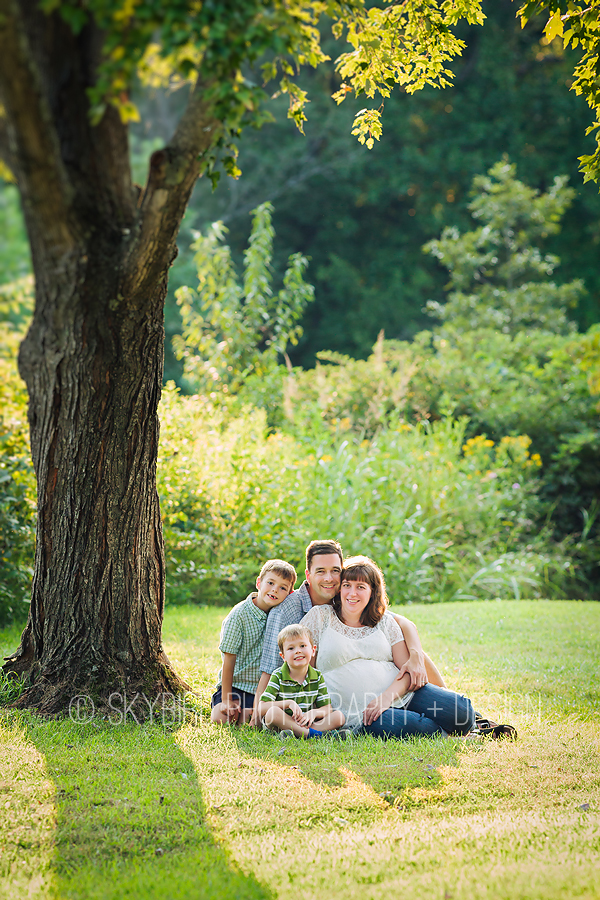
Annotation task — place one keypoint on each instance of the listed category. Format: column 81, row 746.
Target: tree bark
column 94, row 374
column 92, row 361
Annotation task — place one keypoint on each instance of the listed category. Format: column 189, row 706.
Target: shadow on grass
column 131, row 818
column 390, row 767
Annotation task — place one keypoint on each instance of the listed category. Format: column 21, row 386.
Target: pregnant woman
column 360, row 648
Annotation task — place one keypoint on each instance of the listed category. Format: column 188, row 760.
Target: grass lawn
column 164, row 810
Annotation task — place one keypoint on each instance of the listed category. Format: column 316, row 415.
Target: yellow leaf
column 554, row 26
column 128, row 112
column 6, row 174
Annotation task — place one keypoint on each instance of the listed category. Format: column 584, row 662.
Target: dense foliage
column 465, row 461
column 438, row 457
column 521, row 390
column 362, row 216
column 212, row 46
column 17, row 482
column 447, row 518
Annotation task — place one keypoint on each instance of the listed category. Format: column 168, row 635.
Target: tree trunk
column 92, row 360
column 93, row 357
column 93, row 368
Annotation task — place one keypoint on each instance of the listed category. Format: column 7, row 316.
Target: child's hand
column 374, row 709
column 310, row 717
column 294, row 709
column 254, row 719
column 232, row 710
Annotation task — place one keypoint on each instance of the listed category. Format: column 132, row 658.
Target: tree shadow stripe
column 131, row 819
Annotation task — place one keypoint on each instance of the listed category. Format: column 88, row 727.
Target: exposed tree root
column 141, row 694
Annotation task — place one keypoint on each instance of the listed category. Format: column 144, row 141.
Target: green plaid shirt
column 242, row 633
column 311, row 694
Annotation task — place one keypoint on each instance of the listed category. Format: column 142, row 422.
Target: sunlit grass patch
column 486, row 820
column 327, row 761
column 255, row 782
column 192, row 643
column 532, row 660
column 502, row 822
column 27, row 813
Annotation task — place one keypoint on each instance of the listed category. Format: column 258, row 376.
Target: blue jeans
column 433, row 710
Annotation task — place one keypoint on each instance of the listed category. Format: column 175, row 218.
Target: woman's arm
column 415, row 664
column 420, row 666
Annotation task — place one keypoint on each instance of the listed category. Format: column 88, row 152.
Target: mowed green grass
column 170, row 810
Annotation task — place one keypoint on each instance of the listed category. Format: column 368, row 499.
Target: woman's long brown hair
column 361, row 568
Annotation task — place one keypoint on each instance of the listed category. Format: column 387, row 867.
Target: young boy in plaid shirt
column 241, row 644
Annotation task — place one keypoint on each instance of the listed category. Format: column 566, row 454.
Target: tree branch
column 111, row 163
column 33, row 142
column 172, row 175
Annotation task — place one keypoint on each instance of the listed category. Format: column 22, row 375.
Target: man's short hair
column 322, row 548
column 279, row 567
column 293, row 631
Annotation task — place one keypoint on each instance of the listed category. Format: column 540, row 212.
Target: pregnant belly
column 353, row 685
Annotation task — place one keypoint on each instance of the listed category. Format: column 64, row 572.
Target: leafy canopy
column 576, row 23
column 235, row 48
column 229, row 46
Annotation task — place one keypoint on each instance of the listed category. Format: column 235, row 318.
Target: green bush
column 236, row 331
column 17, row 481
column 499, row 275
column 534, row 383
column 445, row 517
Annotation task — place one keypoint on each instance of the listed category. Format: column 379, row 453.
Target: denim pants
column 432, row 711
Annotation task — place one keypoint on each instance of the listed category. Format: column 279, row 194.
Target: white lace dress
column 356, row 662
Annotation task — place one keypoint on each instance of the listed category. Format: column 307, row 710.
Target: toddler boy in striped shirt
column 296, row 701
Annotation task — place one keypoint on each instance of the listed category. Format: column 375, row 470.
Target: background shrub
column 17, row 481
column 445, row 517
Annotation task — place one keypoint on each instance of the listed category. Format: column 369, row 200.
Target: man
column 324, row 563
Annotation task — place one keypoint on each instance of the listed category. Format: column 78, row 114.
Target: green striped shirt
column 310, row 694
